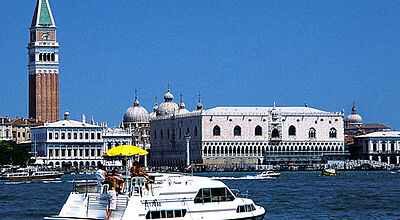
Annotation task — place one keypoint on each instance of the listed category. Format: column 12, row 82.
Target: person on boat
column 112, row 181
column 101, row 174
column 137, row 171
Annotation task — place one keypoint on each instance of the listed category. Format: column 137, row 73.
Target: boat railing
column 239, row 194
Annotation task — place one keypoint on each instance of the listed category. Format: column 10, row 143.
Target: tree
column 10, row 153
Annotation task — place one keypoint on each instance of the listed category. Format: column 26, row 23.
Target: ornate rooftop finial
column 181, row 104
column 353, row 110
column 136, row 102
column 66, row 115
column 92, row 120
column 199, row 105
column 274, row 105
column 168, row 85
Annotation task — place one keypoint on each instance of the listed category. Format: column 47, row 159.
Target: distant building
column 136, row 122
column 43, row 65
column 379, row 146
column 17, row 129
column 69, row 143
column 245, row 135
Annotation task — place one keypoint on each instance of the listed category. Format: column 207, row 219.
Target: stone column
column 397, row 159
column 388, row 159
column 379, row 158
column 370, row 157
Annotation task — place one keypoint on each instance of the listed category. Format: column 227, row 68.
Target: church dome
column 168, row 107
column 181, row 109
column 136, row 113
column 354, row 118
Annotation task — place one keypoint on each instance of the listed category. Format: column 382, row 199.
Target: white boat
column 30, row 173
column 268, row 174
column 171, row 196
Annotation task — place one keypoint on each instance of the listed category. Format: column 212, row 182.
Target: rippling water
column 294, row 195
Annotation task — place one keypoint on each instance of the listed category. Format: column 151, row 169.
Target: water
column 294, row 195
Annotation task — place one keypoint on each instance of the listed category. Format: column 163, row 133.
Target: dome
column 136, row 113
column 181, row 109
column 168, row 107
column 354, row 118
column 199, row 106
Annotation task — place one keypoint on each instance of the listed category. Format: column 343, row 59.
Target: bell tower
column 43, row 65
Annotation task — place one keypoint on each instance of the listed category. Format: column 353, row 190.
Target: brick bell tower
column 43, row 65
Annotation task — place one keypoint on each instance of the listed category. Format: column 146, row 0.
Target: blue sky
column 236, row 53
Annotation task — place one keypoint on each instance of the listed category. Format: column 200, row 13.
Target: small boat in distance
column 30, row 173
column 329, row 172
column 268, row 173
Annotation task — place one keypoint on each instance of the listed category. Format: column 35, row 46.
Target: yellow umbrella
column 125, row 150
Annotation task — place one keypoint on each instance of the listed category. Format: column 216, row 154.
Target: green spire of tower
column 45, row 14
column 42, row 15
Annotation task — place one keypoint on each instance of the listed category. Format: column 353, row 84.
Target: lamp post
column 144, row 137
column 187, row 138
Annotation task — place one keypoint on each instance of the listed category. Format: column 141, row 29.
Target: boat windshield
column 213, row 195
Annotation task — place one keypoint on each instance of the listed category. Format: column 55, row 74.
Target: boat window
column 213, row 195
column 166, row 214
column 245, row 208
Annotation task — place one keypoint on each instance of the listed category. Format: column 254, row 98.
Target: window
column 69, row 152
column 213, row 195
column 50, row 136
column 177, row 213
column 51, row 153
column 292, row 131
column 57, row 152
column 75, row 152
column 92, row 153
column 86, row 135
column 258, row 131
column 332, row 133
column 80, row 135
column 374, row 146
column 98, row 136
column 312, row 133
column 63, row 153
column 167, row 133
column 155, row 134
column 92, row 136
column 162, row 134
column 275, row 133
column 237, row 131
column 62, row 135
column 245, row 208
column 195, row 131
column 392, row 147
column 81, row 152
column 75, row 136
column 98, row 152
column 216, row 130
column 69, row 135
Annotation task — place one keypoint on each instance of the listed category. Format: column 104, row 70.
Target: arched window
column 237, row 131
column 53, row 58
column 209, row 150
column 162, row 134
column 230, row 151
column 195, row 131
column 292, row 131
column 226, row 150
column 258, row 131
column 332, row 133
column 213, row 152
column 48, row 57
column 180, row 132
column 312, row 133
column 275, row 133
column 216, row 130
